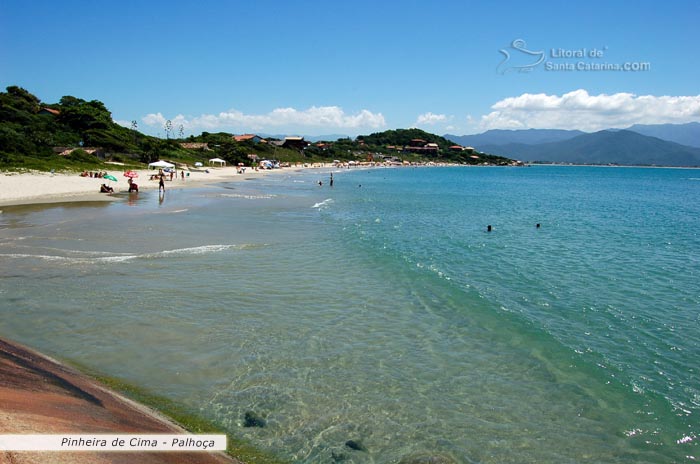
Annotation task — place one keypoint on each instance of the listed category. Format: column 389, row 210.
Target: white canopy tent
column 218, row 161
column 160, row 164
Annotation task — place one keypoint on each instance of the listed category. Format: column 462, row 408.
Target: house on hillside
column 50, row 111
column 294, row 143
column 422, row 147
column 249, row 138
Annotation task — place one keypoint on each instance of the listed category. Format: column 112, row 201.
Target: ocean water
column 381, row 310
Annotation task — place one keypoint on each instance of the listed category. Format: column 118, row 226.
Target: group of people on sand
column 172, row 174
column 97, row 175
column 133, row 186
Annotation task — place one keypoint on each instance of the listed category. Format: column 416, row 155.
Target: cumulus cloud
column 320, row 117
column 579, row 110
column 154, row 119
column 429, row 119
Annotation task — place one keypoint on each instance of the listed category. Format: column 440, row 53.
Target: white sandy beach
column 33, row 188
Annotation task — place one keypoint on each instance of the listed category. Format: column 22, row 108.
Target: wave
column 323, row 203
column 95, row 257
column 244, row 196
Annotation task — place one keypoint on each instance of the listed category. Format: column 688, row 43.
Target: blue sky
column 313, row 67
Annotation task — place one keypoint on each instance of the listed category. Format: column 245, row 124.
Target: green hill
column 403, row 137
column 33, row 132
column 413, row 144
column 76, row 134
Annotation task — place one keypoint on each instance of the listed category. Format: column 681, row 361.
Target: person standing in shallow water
column 331, row 182
column 161, row 183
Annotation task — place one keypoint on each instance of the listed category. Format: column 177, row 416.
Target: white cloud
column 123, row 123
column 429, row 119
column 320, row 117
column 154, row 119
column 579, row 110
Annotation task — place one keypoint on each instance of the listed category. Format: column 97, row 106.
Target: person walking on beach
column 161, row 183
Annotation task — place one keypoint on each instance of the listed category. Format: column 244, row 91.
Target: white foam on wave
column 98, row 256
column 324, row 203
column 199, row 250
column 13, row 239
column 245, row 196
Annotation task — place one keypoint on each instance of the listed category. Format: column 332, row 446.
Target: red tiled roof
column 244, row 137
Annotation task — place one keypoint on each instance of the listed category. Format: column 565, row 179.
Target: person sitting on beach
column 106, row 189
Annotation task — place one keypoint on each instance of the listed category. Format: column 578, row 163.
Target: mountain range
column 660, row 145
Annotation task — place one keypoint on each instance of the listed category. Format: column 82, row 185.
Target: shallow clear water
column 382, row 311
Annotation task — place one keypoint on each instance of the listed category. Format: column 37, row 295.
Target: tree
column 23, row 100
column 82, row 116
column 134, row 127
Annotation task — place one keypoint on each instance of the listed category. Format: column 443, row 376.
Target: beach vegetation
column 36, row 135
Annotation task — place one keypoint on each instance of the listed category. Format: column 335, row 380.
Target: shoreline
column 40, row 395
column 31, row 188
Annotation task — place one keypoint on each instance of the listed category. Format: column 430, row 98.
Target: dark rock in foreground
column 252, row 419
column 355, row 445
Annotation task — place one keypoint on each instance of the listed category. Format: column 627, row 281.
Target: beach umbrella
column 131, row 174
column 109, row 177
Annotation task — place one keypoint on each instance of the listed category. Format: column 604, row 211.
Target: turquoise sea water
column 381, row 311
